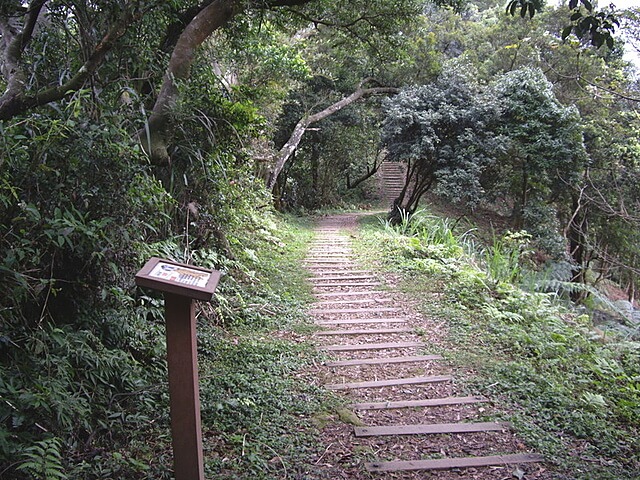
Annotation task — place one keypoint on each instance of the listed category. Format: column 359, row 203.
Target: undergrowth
column 96, row 411
column 257, row 403
column 572, row 393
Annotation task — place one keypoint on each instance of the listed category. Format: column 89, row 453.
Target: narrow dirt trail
column 407, row 416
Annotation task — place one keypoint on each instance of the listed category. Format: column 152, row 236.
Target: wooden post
column 186, row 431
column 181, row 284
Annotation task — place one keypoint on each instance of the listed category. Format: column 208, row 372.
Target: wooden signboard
column 181, row 285
column 178, row 278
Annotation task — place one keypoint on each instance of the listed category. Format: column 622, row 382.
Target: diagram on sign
column 180, row 274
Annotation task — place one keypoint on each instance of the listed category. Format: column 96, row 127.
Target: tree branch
column 14, row 101
column 326, row 23
column 370, row 172
column 293, row 142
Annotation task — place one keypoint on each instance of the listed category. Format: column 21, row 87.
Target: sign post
column 181, row 285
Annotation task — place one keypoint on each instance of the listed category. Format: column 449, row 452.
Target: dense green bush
column 82, row 369
column 78, row 356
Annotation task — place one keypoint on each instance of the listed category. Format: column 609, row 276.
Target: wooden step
column 352, row 302
column 337, row 243
column 449, row 463
column 348, row 284
column 340, row 311
column 390, row 382
column 372, row 331
column 321, row 269
column 342, row 272
column 347, row 294
column 429, row 429
column 370, row 346
column 384, row 360
column 340, row 277
column 426, row 402
column 337, row 261
column 361, row 321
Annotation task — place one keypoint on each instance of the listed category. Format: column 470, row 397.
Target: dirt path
column 407, row 416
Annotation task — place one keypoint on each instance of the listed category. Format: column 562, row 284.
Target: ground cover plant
column 570, row 389
column 257, row 406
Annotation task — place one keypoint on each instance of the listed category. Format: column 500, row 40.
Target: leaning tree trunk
column 156, row 136
column 370, row 171
column 304, row 123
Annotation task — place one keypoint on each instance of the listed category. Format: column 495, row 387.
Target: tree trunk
column 298, row 131
column 520, row 200
column 155, row 138
column 157, row 134
column 315, row 169
column 577, row 236
column 370, row 172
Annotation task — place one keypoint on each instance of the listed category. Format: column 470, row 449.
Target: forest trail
column 407, row 415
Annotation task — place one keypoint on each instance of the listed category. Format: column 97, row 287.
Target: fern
column 600, row 300
column 43, row 460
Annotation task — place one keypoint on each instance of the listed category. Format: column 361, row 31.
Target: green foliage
column 44, row 460
column 77, row 362
column 512, row 140
column 565, row 386
column 525, row 6
column 260, row 51
column 441, row 131
column 504, row 258
column 598, row 27
column 82, row 352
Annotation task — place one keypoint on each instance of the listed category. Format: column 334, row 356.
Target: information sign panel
column 178, row 278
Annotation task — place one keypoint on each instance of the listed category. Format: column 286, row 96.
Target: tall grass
column 504, row 259
column 432, row 230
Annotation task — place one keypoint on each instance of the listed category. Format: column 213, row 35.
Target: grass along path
column 266, row 414
column 569, row 394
